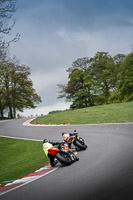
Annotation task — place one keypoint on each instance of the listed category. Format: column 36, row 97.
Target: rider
column 47, row 144
column 66, row 136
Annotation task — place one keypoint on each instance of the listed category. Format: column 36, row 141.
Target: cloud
column 46, row 49
column 129, row 20
column 45, row 80
column 113, row 40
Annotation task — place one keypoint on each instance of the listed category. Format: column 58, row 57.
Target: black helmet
column 45, row 140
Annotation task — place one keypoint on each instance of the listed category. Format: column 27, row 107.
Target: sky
column 55, row 33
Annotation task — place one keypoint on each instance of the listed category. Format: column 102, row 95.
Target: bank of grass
column 18, row 158
column 111, row 113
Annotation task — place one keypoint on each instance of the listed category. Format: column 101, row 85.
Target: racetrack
column 104, row 171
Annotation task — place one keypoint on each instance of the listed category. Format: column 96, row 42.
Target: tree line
column 98, row 80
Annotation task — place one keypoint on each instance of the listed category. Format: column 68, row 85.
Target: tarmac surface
column 104, row 170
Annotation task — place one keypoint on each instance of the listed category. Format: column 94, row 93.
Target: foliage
column 125, row 84
column 16, row 89
column 99, row 80
column 55, row 111
column 102, row 72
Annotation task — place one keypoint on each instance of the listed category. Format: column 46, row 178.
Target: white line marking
column 19, row 138
column 29, row 181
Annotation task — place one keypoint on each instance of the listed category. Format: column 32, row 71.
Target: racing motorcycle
column 63, row 154
column 74, row 139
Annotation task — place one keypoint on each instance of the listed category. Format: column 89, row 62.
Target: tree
column 115, row 95
column 80, row 63
column 102, row 71
column 7, row 8
column 78, row 89
column 2, row 104
column 118, row 60
column 17, row 90
column 125, row 84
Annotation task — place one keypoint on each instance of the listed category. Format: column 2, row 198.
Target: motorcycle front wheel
column 63, row 158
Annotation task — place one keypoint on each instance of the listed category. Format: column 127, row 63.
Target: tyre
column 63, row 158
column 79, row 145
column 73, row 157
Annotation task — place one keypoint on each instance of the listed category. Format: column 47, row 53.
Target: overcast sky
column 54, row 33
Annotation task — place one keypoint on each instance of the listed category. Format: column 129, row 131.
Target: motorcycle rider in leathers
column 47, row 144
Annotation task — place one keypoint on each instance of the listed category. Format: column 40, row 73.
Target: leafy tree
column 17, row 90
column 78, row 90
column 67, row 91
column 118, row 60
column 115, row 95
column 125, row 84
column 102, row 71
column 80, row 63
column 2, row 103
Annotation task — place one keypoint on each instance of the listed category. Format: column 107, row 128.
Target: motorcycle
column 73, row 138
column 63, row 154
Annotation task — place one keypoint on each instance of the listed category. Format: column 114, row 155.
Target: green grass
column 111, row 113
column 18, row 158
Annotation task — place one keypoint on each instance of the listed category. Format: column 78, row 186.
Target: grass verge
column 18, row 158
column 111, row 113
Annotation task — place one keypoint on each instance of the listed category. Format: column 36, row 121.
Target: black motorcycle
column 63, row 154
column 74, row 139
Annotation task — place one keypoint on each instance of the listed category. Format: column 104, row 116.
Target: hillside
column 111, row 113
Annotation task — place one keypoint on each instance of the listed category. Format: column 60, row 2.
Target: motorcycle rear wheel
column 79, row 145
column 64, row 160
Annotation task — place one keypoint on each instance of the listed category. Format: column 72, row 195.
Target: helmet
column 65, row 136
column 45, row 140
column 63, row 133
